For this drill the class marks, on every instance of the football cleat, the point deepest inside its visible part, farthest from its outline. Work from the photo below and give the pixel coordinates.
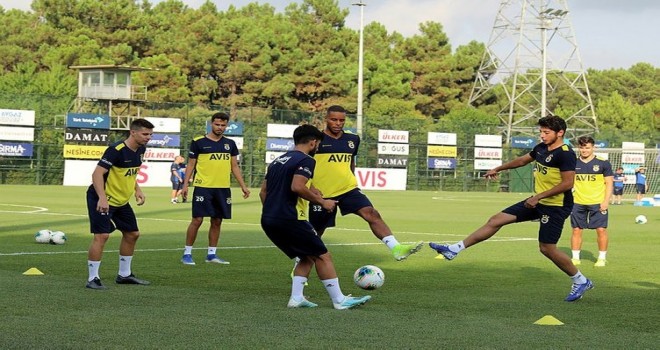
(443, 249)
(576, 262)
(186, 259)
(350, 302)
(95, 284)
(131, 279)
(402, 251)
(578, 290)
(212, 258)
(303, 303)
(600, 263)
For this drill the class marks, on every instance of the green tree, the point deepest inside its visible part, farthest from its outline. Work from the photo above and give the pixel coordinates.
(430, 56)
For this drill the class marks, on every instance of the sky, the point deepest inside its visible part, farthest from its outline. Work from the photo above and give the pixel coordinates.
(609, 33)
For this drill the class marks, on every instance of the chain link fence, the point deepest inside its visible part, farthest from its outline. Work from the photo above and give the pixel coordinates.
(46, 165)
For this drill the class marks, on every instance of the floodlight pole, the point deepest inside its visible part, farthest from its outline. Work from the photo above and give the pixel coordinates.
(360, 68)
(544, 65)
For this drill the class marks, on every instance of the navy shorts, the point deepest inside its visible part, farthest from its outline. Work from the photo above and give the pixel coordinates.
(176, 184)
(588, 216)
(617, 191)
(641, 189)
(296, 238)
(211, 202)
(118, 218)
(349, 203)
(551, 219)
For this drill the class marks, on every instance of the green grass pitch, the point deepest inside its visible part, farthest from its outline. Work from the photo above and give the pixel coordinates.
(488, 298)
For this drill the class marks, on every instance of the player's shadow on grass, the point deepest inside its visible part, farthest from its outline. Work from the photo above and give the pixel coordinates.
(647, 284)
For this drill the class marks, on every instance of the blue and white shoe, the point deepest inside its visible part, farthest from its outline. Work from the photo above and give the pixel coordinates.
(443, 249)
(350, 302)
(212, 258)
(186, 259)
(303, 303)
(578, 290)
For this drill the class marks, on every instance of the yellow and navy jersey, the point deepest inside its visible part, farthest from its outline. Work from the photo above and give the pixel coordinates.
(213, 168)
(547, 172)
(590, 181)
(123, 165)
(334, 160)
(281, 202)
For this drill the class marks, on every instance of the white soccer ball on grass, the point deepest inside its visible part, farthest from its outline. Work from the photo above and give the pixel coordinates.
(369, 277)
(42, 236)
(57, 237)
(640, 219)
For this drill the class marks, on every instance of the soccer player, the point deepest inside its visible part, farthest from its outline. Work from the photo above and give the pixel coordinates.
(618, 180)
(640, 182)
(114, 181)
(212, 157)
(283, 195)
(551, 204)
(592, 191)
(335, 179)
(176, 178)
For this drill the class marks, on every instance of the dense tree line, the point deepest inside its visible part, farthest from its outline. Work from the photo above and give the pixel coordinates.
(304, 58)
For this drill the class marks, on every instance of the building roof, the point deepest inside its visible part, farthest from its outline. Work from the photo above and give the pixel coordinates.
(110, 66)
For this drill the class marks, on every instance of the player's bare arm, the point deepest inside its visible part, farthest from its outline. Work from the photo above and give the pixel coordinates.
(262, 192)
(99, 186)
(192, 162)
(139, 195)
(238, 175)
(516, 163)
(609, 186)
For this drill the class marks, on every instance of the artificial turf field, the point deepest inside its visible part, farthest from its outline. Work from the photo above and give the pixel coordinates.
(488, 297)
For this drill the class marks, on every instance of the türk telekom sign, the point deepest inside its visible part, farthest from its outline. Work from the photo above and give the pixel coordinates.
(88, 121)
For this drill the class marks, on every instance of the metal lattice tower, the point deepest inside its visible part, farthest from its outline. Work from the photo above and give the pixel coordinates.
(532, 64)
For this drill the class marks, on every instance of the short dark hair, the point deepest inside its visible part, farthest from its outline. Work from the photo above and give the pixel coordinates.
(306, 133)
(221, 116)
(336, 108)
(141, 123)
(553, 123)
(585, 140)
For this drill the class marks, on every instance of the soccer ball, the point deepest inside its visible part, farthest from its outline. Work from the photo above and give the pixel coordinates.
(43, 236)
(369, 277)
(640, 219)
(57, 237)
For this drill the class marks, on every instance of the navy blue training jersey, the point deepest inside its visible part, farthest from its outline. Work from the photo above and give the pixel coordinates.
(281, 202)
